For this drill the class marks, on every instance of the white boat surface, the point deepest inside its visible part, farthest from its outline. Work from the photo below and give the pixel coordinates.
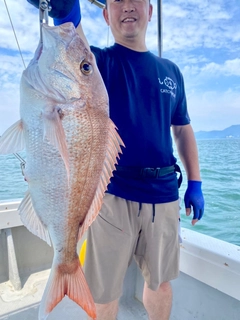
(208, 286)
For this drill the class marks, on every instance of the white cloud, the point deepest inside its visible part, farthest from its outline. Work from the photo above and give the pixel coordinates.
(190, 24)
(196, 75)
(202, 36)
(171, 11)
(228, 68)
(212, 110)
(24, 18)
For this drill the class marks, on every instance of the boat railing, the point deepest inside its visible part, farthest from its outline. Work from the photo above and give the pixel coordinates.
(204, 260)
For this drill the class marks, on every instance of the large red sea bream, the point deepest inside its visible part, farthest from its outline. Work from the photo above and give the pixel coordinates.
(71, 148)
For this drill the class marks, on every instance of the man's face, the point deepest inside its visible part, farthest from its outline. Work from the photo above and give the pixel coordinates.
(128, 19)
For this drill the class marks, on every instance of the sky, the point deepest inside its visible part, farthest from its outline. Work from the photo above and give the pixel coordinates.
(202, 37)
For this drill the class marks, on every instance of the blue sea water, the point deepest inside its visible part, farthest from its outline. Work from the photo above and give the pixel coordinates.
(220, 172)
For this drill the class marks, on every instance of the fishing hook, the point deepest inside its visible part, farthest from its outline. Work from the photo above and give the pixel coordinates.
(22, 162)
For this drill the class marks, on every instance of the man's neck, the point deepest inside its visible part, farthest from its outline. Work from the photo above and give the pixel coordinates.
(136, 46)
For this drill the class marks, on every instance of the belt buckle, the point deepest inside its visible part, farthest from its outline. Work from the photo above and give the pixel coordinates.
(150, 172)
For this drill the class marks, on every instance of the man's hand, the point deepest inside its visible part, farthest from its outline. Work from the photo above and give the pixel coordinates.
(62, 11)
(194, 197)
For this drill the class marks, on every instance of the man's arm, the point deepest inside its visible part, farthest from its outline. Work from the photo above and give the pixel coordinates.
(187, 150)
(188, 153)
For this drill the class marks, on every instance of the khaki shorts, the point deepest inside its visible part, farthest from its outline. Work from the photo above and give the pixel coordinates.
(123, 230)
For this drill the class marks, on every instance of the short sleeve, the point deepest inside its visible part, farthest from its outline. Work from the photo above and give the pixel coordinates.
(181, 116)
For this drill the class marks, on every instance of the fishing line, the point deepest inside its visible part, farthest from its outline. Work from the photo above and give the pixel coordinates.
(19, 49)
(22, 161)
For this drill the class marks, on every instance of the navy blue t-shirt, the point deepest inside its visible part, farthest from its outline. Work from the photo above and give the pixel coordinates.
(146, 96)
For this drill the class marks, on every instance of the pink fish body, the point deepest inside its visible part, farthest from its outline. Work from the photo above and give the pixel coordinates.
(71, 148)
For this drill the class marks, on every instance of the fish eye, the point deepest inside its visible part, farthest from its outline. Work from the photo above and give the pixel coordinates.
(86, 67)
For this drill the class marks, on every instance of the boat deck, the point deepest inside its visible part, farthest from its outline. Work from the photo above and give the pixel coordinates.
(192, 299)
(23, 304)
(208, 287)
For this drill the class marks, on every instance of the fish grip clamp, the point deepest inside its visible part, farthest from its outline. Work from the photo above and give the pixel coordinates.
(44, 8)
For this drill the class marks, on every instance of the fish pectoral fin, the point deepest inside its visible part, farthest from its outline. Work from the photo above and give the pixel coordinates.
(54, 133)
(31, 220)
(67, 280)
(12, 140)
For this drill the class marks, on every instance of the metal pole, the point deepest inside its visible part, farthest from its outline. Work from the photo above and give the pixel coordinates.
(98, 3)
(12, 262)
(159, 22)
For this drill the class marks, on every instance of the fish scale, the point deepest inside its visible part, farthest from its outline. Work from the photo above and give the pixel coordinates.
(71, 150)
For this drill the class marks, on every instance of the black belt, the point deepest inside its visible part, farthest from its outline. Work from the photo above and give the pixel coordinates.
(151, 173)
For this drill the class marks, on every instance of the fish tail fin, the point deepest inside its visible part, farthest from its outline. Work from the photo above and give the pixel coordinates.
(70, 281)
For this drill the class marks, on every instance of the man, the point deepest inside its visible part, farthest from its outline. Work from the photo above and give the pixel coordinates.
(140, 213)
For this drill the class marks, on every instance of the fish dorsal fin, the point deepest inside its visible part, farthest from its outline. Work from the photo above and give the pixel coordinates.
(113, 150)
(12, 140)
(54, 133)
(31, 220)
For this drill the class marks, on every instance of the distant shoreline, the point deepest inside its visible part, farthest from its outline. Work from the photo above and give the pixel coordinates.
(232, 132)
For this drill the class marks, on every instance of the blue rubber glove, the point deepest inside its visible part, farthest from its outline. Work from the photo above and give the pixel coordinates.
(63, 11)
(194, 198)
(73, 16)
